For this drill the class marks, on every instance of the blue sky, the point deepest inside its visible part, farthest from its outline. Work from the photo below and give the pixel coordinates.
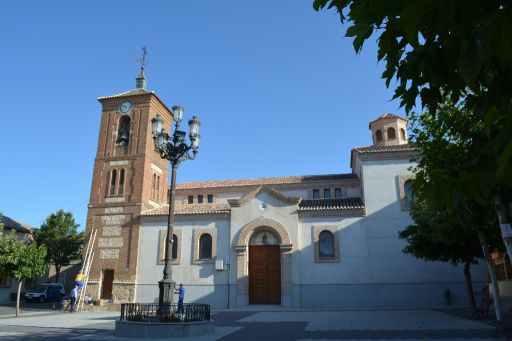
(277, 87)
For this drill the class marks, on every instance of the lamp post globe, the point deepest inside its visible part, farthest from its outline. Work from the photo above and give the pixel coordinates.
(157, 124)
(177, 111)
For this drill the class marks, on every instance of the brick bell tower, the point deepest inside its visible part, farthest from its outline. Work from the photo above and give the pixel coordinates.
(129, 177)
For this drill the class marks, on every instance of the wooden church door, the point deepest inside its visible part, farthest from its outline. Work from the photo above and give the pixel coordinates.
(264, 274)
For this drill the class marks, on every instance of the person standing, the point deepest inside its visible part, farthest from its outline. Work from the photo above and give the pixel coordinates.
(181, 297)
(74, 296)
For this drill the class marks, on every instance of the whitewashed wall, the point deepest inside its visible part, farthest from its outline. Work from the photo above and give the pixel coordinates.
(396, 278)
(202, 282)
(372, 271)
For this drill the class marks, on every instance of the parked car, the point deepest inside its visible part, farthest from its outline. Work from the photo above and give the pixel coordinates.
(45, 292)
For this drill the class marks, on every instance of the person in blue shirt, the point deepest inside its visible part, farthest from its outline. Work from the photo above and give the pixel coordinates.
(181, 297)
(74, 296)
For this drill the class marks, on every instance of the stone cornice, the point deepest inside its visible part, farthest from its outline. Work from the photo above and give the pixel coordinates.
(267, 189)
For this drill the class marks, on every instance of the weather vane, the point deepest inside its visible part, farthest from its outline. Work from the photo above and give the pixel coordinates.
(142, 60)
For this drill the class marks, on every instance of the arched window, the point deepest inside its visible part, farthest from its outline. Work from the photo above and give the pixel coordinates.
(264, 237)
(391, 134)
(123, 133)
(153, 187)
(121, 182)
(408, 190)
(174, 254)
(205, 246)
(402, 134)
(113, 179)
(326, 245)
(378, 134)
(158, 187)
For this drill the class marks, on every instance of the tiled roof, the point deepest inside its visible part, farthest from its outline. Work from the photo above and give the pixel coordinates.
(189, 209)
(134, 92)
(388, 115)
(385, 149)
(15, 225)
(266, 181)
(331, 204)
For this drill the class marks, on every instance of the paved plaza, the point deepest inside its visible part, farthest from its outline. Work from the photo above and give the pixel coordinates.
(248, 325)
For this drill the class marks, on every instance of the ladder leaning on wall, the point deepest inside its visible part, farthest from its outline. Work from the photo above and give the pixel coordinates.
(86, 267)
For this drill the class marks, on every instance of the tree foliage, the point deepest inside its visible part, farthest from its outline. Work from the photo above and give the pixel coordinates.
(60, 236)
(460, 49)
(448, 227)
(21, 258)
(447, 236)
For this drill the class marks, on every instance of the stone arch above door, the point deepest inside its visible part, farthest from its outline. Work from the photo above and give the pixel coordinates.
(251, 227)
(241, 262)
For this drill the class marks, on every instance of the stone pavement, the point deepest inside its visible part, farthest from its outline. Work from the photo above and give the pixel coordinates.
(247, 325)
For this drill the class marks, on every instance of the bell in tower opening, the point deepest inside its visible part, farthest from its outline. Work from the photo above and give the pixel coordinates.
(123, 134)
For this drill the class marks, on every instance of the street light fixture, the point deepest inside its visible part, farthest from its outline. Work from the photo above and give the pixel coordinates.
(175, 149)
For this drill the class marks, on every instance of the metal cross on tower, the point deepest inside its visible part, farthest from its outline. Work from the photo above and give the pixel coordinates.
(142, 60)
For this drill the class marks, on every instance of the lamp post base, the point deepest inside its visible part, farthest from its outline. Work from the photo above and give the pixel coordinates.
(165, 298)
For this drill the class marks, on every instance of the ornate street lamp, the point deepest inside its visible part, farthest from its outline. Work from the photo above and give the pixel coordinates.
(175, 149)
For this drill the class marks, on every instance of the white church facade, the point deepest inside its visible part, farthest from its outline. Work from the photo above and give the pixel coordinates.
(318, 241)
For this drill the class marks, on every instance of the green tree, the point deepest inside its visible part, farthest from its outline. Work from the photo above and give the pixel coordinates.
(464, 54)
(60, 236)
(21, 258)
(449, 236)
(447, 141)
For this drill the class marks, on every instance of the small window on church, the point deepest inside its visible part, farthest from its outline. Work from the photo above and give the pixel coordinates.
(408, 193)
(210, 198)
(378, 135)
(391, 134)
(157, 187)
(205, 246)
(153, 187)
(190, 199)
(174, 247)
(327, 193)
(199, 199)
(113, 179)
(316, 194)
(123, 133)
(337, 193)
(402, 134)
(326, 245)
(121, 182)
(175, 252)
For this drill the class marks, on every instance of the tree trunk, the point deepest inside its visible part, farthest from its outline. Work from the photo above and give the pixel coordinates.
(506, 231)
(469, 286)
(18, 298)
(57, 273)
(492, 272)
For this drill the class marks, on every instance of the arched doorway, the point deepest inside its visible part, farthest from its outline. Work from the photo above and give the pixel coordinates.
(264, 268)
(254, 231)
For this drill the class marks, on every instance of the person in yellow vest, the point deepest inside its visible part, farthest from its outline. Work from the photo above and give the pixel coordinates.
(79, 280)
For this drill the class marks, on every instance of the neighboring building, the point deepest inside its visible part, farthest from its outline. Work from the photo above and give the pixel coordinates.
(318, 241)
(7, 284)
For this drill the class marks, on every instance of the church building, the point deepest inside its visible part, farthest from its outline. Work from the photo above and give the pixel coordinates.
(313, 241)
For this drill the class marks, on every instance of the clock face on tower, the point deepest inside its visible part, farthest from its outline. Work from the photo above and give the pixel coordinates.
(125, 107)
